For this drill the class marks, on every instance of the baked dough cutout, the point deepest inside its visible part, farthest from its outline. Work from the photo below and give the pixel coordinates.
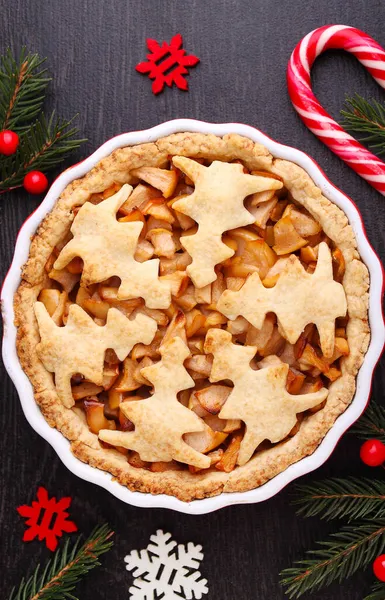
(217, 206)
(79, 347)
(107, 248)
(259, 398)
(298, 298)
(161, 421)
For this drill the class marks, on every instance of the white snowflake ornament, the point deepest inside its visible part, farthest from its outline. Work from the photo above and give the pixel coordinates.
(166, 570)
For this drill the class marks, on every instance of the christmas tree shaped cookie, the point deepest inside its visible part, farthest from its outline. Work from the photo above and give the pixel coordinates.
(217, 206)
(161, 421)
(259, 398)
(80, 346)
(298, 298)
(107, 248)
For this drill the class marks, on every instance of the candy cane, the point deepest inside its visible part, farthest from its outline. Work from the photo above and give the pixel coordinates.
(372, 56)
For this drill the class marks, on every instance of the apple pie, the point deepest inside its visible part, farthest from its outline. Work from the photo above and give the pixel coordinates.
(192, 315)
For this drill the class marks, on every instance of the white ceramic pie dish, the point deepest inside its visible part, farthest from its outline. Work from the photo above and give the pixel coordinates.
(62, 445)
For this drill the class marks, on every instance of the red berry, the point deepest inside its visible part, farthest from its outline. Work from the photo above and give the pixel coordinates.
(379, 567)
(35, 182)
(9, 141)
(372, 453)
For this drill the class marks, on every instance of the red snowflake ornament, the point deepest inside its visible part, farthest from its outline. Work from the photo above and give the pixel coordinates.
(47, 519)
(167, 64)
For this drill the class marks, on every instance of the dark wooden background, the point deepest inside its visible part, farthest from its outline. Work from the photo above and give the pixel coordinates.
(92, 48)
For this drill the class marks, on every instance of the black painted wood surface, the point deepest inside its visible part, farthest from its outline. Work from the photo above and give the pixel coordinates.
(92, 48)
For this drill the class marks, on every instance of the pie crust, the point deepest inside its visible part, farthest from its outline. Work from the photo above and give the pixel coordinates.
(266, 463)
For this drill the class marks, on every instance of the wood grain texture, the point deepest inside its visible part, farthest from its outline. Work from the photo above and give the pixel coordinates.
(93, 47)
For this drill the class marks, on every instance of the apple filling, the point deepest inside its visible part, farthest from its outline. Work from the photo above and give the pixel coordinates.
(281, 228)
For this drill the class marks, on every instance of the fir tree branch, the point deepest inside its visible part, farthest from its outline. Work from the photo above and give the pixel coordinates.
(60, 575)
(22, 86)
(45, 145)
(352, 548)
(378, 591)
(366, 118)
(372, 423)
(349, 498)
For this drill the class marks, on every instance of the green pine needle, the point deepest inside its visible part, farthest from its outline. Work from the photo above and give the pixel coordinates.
(44, 143)
(366, 118)
(372, 423)
(44, 146)
(347, 551)
(350, 498)
(378, 592)
(69, 564)
(22, 87)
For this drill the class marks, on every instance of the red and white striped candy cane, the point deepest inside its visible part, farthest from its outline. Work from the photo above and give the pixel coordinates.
(372, 56)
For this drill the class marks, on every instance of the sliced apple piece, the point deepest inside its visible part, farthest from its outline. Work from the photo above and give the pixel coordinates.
(162, 241)
(338, 265)
(303, 339)
(236, 267)
(144, 251)
(50, 298)
(162, 467)
(206, 440)
(308, 254)
(176, 328)
(85, 390)
(194, 321)
(97, 308)
(82, 295)
(151, 350)
(200, 363)
(95, 416)
(260, 197)
(139, 198)
(214, 456)
(154, 313)
(262, 212)
(66, 279)
(312, 386)
(196, 406)
(203, 294)
(75, 266)
(111, 190)
(187, 300)
(161, 179)
(310, 357)
(196, 345)
(158, 209)
(179, 262)
(213, 397)
(258, 253)
(135, 461)
(230, 456)
(234, 283)
(127, 381)
(110, 375)
(287, 239)
(295, 380)
(178, 282)
(115, 398)
(238, 326)
(304, 223)
(261, 337)
(287, 355)
(278, 210)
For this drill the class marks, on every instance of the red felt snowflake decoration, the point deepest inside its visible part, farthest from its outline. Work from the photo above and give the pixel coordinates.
(46, 519)
(167, 64)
